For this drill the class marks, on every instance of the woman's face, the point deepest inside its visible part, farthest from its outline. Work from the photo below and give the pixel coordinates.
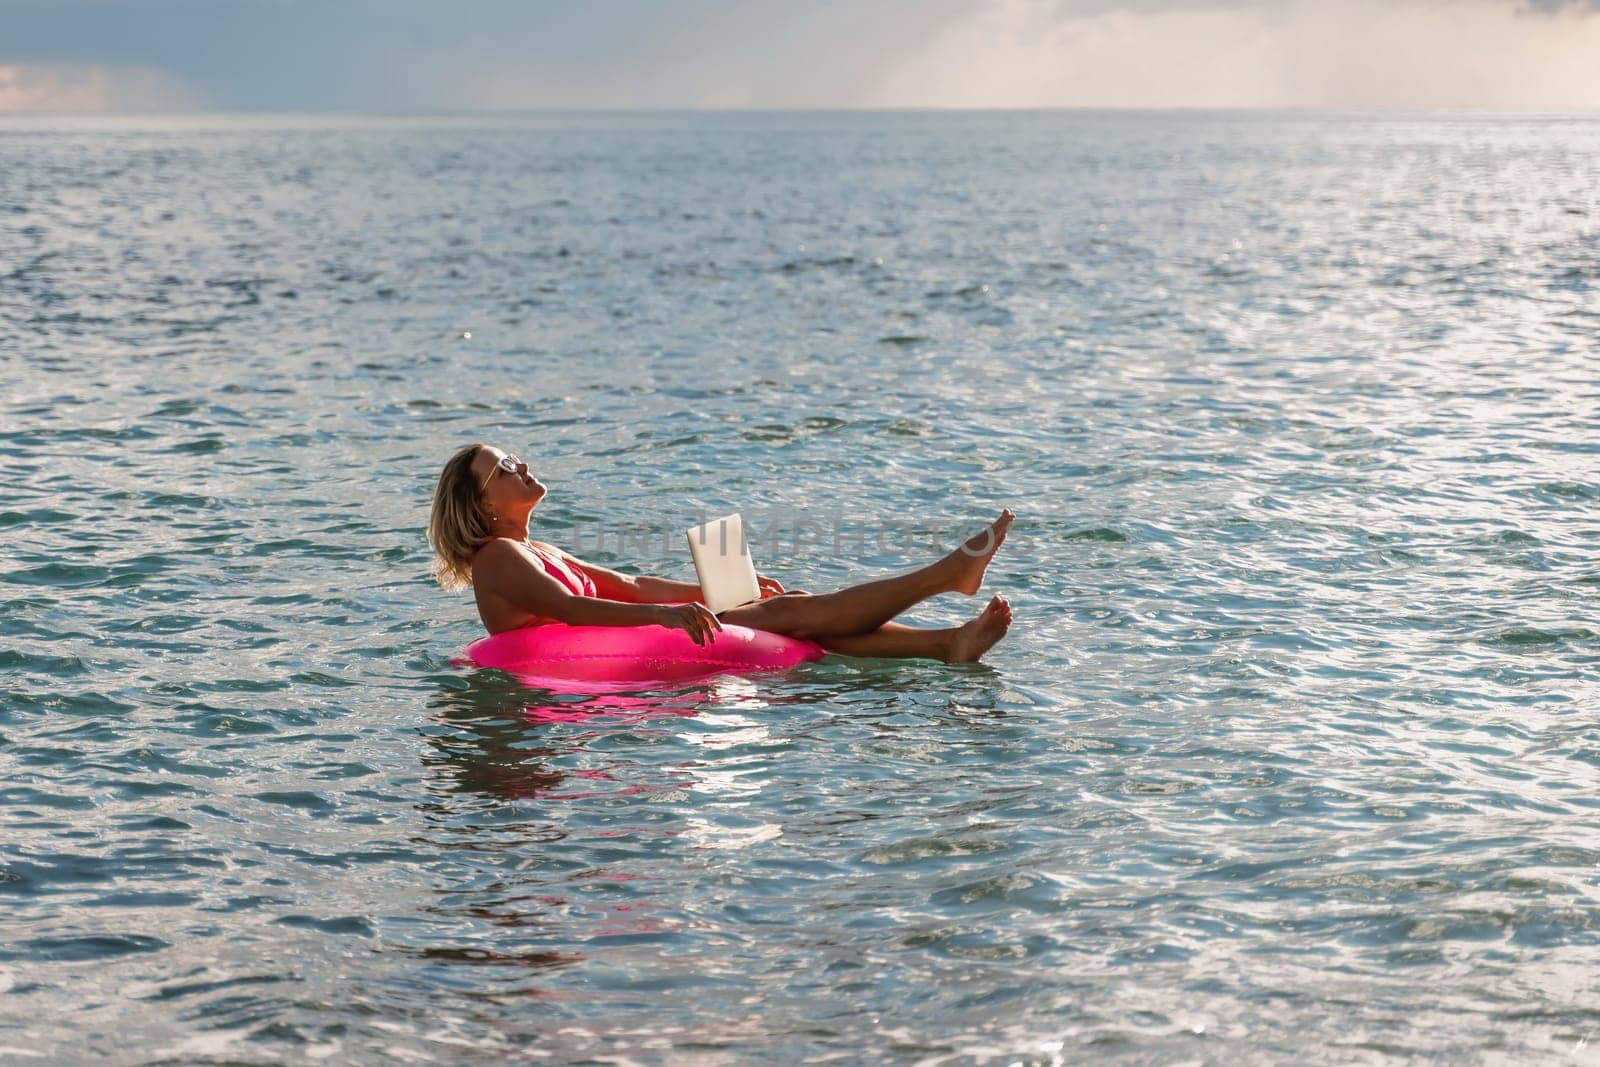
(509, 490)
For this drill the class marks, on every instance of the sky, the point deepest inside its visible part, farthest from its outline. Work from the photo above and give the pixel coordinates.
(427, 56)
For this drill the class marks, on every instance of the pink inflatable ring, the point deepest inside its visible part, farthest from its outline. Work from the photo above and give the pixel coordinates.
(553, 654)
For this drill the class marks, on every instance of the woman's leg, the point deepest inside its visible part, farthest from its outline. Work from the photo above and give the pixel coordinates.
(956, 644)
(861, 609)
(894, 640)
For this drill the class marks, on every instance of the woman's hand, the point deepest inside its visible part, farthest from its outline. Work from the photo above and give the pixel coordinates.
(769, 586)
(694, 617)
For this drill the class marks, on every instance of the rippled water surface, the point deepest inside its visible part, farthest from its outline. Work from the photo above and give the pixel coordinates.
(1292, 751)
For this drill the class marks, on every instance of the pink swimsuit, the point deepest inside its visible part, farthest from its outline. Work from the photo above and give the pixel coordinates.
(577, 582)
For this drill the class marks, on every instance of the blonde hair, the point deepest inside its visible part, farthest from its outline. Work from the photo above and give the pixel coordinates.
(458, 524)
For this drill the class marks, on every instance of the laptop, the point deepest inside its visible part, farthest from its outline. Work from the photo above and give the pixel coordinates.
(722, 561)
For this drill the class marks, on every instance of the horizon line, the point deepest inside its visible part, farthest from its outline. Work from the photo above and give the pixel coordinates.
(1288, 109)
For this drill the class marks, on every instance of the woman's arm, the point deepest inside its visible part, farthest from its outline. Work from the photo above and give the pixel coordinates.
(667, 591)
(640, 590)
(508, 569)
(512, 574)
(647, 589)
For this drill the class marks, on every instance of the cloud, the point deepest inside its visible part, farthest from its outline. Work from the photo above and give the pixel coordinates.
(406, 55)
(54, 87)
(424, 55)
(1254, 53)
(752, 54)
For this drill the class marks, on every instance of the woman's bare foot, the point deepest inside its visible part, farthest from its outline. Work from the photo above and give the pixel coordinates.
(975, 637)
(972, 558)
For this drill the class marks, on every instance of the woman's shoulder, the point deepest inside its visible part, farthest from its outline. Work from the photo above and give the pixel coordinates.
(498, 548)
(497, 561)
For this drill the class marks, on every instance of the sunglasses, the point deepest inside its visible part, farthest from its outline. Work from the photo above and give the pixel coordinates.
(508, 463)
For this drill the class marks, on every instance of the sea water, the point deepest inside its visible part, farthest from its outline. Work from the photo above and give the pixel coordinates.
(1291, 752)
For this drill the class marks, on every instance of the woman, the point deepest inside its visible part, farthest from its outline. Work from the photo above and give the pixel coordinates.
(479, 534)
